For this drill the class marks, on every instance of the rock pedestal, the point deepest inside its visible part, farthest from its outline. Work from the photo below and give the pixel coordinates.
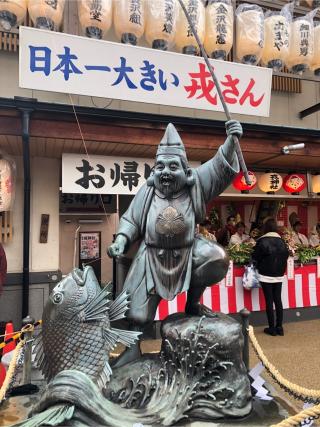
(199, 372)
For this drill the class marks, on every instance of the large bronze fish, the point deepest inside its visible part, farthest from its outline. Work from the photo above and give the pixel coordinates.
(76, 330)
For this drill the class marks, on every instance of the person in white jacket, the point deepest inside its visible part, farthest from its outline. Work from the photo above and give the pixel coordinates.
(240, 236)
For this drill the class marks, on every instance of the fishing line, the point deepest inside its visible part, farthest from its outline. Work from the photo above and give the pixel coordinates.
(85, 145)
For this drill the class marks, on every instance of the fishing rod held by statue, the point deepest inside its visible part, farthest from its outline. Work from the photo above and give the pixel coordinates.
(217, 84)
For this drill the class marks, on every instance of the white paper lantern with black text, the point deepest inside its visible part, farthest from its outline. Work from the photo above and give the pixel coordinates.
(185, 40)
(12, 13)
(301, 43)
(46, 14)
(270, 182)
(161, 18)
(277, 27)
(219, 28)
(95, 17)
(129, 20)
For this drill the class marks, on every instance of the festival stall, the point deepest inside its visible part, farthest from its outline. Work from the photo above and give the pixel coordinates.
(291, 199)
(300, 290)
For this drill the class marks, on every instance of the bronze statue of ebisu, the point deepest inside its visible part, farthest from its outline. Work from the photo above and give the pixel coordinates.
(200, 372)
(164, 214)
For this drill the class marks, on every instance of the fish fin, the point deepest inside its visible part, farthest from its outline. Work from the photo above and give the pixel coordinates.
(98, 306)
(126, 337)
(50, 417)
(105, 375)
(114, 336)
(119, 306)
(111, 337)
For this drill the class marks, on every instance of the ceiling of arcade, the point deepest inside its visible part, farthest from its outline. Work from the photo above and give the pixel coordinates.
(53, 147)
(52, 135)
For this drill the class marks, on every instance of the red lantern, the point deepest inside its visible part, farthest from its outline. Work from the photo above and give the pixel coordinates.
(240, 184)
(294, 183)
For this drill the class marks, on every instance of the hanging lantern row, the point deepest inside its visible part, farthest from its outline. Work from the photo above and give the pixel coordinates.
(45, 14)
(271, 182)
(273, 39)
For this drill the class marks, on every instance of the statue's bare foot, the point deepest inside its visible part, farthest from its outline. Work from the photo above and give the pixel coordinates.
(199, 310)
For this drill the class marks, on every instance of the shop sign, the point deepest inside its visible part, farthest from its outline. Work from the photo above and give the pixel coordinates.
(59, 62)
(105, 175)
(92, 203)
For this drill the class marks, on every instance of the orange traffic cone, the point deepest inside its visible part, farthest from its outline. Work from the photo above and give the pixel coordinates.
(8, 350)
(9, 334)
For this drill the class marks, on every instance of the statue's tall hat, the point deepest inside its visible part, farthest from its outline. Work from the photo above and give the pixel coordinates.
(171, 143)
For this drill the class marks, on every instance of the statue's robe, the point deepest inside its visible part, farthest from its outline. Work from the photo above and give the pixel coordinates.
(163, 263)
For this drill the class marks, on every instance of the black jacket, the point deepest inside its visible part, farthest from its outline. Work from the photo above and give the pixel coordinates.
(270, 255)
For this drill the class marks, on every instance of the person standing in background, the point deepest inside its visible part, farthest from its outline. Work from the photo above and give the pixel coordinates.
(270, 257)
(314, 239)
(204, 228)
(299, 238)
(240, 236)
(3, 267)
(223, 235)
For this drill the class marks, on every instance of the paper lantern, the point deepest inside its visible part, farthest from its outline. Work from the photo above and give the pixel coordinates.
(315, 180)
(315, 63)
(184, 38)
(12, 13)
(129, 20)
(250, 33)
(277, 37)
(219, 28)
(270, 182)
(294, 183)
(46, 14)
(161, 18)
(301, 43)
(95, 17)
(240, 184)
(6, 185)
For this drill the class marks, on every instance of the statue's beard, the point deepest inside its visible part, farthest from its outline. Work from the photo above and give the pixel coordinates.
(168, 184)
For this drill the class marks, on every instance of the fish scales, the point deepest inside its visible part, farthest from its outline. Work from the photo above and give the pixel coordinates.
(76, 329)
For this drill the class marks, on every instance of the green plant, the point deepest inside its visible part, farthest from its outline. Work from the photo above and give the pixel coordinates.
(305, 254)
(240, 254)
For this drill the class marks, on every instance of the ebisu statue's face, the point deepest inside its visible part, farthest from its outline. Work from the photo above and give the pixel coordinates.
(169, 174)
